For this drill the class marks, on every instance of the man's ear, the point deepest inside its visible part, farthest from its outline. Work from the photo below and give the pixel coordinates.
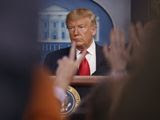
(94, 30)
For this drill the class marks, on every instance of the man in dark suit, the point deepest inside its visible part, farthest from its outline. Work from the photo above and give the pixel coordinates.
(81, 24)
(102, 66)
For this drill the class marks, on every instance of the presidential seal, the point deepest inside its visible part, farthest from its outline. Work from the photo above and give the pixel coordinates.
(71, 102)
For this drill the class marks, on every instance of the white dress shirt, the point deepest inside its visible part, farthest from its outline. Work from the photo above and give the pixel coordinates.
(91, 57)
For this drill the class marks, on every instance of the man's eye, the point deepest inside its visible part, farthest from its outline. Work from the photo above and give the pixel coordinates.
(70, 28)
(81, 27)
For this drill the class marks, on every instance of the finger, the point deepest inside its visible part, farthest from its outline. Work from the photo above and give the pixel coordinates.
(139, 27)
(59, 61)
(132, 36)
(121, 41)
(79, 60)
(115, 38)
(64, 58)
(72, 51)
(106, 50)
(140, 30)
(112, 37)
(125, 55)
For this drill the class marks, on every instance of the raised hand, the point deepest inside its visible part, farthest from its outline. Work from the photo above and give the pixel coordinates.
(67, 67)
(116, 52)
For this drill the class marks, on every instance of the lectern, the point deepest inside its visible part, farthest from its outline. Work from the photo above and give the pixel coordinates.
(80, 86)
(84, 82)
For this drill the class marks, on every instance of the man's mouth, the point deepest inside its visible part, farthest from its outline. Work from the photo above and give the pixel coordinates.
(77, 39)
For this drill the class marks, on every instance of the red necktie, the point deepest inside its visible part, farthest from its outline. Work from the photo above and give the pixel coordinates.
(84, 69)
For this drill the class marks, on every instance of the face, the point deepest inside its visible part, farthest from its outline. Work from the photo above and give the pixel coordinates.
(81, 31)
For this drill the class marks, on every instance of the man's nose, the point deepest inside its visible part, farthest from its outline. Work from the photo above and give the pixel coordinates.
(76, 31)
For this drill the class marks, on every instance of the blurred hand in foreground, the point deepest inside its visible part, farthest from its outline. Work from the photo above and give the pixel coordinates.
(116, 52)
(67, 67)
(119, 53)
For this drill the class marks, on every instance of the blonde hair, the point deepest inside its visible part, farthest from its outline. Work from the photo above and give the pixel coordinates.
(81, 13)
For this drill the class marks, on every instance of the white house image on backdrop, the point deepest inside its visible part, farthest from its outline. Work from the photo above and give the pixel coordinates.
(52, 27)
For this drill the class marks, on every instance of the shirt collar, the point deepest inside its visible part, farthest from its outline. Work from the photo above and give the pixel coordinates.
(90, 50)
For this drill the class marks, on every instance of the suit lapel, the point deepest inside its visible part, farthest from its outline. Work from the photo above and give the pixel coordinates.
(99, 57)
(102, 66)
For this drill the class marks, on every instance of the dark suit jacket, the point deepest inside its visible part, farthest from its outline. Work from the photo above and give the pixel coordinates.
(102, 65)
